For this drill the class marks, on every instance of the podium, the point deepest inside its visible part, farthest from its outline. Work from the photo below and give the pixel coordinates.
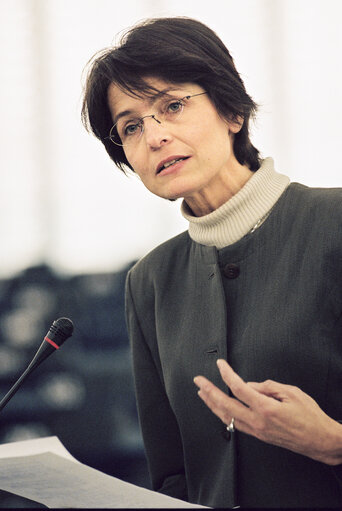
(43, 471)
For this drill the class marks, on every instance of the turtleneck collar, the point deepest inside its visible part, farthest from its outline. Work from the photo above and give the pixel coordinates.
(240, 214)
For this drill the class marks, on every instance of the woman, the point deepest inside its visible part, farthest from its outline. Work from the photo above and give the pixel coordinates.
(255, 281)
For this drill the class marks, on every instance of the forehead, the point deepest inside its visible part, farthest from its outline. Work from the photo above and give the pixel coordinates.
(120, 101)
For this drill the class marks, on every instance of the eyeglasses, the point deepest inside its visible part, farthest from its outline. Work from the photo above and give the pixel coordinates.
(127, 132)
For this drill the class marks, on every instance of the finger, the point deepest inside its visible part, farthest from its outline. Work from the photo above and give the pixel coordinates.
(202, 382)
(239, 388)
(224, 406)
(272, 388)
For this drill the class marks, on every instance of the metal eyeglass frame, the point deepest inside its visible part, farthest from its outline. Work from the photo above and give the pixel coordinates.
(141, 119)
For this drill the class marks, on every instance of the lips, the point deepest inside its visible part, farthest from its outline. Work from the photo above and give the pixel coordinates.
(163, 164)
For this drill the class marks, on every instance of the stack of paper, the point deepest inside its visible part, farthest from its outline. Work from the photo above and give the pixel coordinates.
(44, 471)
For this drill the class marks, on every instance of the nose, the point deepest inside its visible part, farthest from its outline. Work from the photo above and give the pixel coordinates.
(156, 133)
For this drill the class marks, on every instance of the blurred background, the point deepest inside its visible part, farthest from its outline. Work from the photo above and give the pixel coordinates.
(71, 224)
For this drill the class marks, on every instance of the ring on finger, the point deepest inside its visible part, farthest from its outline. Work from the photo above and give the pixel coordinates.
(231, 427)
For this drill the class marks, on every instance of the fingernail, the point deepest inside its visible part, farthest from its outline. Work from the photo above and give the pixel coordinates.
(202, 385)
(220, 363)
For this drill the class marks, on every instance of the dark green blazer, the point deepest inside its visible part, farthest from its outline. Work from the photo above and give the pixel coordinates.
(280, 318)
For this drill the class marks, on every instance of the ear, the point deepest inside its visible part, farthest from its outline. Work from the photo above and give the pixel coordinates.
(235, 124)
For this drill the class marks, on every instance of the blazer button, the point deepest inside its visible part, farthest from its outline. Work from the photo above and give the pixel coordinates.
(226, 435)
(231, 271)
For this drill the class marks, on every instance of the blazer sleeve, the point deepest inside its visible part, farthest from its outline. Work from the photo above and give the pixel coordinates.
(161, 435)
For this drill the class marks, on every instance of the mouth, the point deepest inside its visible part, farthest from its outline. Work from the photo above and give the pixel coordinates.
(164, 164)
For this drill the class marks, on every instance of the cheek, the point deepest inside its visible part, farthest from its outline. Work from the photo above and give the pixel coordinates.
(216, 145)
(212, 133)
(193, 134)
(137, 162)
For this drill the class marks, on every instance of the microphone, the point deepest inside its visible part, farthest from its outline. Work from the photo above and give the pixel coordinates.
(60, 331)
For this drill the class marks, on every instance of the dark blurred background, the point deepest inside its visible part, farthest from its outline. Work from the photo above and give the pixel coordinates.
(84, 392)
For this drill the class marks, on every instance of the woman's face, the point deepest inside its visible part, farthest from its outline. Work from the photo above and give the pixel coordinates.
(200, 135)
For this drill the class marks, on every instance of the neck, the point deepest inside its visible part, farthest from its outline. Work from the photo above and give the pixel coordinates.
(219, 190)
(241, 214)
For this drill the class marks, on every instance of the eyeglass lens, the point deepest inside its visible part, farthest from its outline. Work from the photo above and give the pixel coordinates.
(127, 131)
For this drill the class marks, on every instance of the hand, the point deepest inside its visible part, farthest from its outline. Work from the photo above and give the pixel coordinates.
(275, 413)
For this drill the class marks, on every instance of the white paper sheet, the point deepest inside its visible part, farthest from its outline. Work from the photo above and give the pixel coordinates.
(42, 470)
(35, 446)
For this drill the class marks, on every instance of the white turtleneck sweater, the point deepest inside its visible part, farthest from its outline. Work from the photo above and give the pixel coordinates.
(242, 213)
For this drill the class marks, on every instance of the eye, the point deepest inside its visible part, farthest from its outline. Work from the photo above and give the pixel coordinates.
(175, 106)
(131, 129)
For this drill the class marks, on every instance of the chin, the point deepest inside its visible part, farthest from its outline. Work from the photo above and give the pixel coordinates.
(175, 187)
(178, 190)
(174, 196)
(171, 195)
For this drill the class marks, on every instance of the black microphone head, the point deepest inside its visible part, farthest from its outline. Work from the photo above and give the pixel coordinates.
(60, 330)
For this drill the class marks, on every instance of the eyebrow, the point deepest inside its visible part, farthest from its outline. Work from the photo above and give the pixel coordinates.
(153, 99)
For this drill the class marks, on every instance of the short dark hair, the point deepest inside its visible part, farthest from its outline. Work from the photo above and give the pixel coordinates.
(177, 50)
